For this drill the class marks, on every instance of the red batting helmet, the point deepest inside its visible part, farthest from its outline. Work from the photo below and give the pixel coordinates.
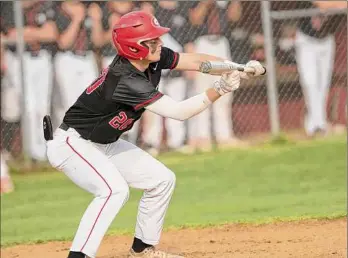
(132, 29)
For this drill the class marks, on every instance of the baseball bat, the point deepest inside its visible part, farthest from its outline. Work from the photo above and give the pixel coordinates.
(219, 67)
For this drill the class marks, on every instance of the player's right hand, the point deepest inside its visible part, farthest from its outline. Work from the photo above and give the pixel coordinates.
(228, 82)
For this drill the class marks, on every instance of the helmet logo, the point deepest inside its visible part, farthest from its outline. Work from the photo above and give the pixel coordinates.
(155, 21)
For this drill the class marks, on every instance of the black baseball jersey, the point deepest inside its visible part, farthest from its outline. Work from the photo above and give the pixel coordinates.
(115, 100)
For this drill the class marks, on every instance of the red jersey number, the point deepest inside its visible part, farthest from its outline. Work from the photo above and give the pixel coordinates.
(121, 121)
(95, 85)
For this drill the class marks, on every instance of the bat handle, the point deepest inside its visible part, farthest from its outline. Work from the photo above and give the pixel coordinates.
(249, 69)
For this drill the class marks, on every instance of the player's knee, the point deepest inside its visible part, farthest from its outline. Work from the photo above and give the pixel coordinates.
(169, 178)
(119, 191)
(122, 191)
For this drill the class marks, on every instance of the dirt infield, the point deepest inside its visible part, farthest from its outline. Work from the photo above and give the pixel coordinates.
(314, 238)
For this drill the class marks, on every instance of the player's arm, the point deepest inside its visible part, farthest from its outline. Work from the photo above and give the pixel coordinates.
(68, 35)
(183, 110)
(193, 61)
(47, 33)
(95, 12)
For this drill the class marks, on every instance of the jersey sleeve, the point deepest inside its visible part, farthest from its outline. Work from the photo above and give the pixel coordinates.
(136, 92)
(169, 59)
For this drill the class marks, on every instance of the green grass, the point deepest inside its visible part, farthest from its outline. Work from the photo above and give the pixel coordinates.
(282, 181)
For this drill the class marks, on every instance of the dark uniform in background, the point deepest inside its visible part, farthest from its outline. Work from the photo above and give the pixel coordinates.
(38, 73)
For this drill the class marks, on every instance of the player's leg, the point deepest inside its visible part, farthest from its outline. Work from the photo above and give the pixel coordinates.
(326, 65)
(39, 83)
(6, 185)
(176, 88)
(88, 71)
(306, 56)
(66, 77)
(142, 171)
(202, 120)
(88, 167)
(153, 128)
(222, 120)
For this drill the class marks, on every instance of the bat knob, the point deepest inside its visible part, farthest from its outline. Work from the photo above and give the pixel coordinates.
(265, 70)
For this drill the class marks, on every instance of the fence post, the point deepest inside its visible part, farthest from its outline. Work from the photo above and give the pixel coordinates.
(272, 93)
(18, 14)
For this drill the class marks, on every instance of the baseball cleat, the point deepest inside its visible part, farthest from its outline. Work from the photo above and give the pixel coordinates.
(151, 252)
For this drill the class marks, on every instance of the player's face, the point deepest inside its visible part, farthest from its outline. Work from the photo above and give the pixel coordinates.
(155, 47)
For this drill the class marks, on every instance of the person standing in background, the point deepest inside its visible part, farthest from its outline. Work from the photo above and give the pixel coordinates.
(80, 31)
(39, 36)
(6, 184)
(174, 15)
(315, 54)
(112, 11)
(210, 17)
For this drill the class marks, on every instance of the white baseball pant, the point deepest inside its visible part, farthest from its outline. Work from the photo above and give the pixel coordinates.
(74, 74)
(176, 89)
(315, 60)
(37, 98)
(222, 108)
(106, 171)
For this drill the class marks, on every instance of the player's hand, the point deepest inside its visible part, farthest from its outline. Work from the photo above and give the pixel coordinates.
(257, 66)
(228, 82)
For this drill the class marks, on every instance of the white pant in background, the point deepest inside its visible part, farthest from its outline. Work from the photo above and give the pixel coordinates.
(176, 89)
(222, 108)
(74, 74)
(37, 96)
(107, 171)
(221, 122)
(315, 60)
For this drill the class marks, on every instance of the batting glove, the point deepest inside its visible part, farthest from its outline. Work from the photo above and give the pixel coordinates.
(257, 66)
(228, 82)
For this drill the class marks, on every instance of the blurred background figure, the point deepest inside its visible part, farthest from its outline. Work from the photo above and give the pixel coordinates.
(209, 17)
(6, 184)
(315, 56)
(39, 36)
(112, 11)
(171, 14)
(80, 31)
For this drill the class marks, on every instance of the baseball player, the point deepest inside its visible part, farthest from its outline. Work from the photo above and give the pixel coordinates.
(87, 148)
(39, 36)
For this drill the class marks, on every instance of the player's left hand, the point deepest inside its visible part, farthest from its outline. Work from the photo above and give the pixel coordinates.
(228, 82)
(257, 66)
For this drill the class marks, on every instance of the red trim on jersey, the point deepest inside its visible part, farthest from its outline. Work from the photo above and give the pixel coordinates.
(174, 64)
(157, 96)
(95, 170)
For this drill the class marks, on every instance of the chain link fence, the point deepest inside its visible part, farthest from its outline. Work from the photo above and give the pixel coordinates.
(231, 30)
